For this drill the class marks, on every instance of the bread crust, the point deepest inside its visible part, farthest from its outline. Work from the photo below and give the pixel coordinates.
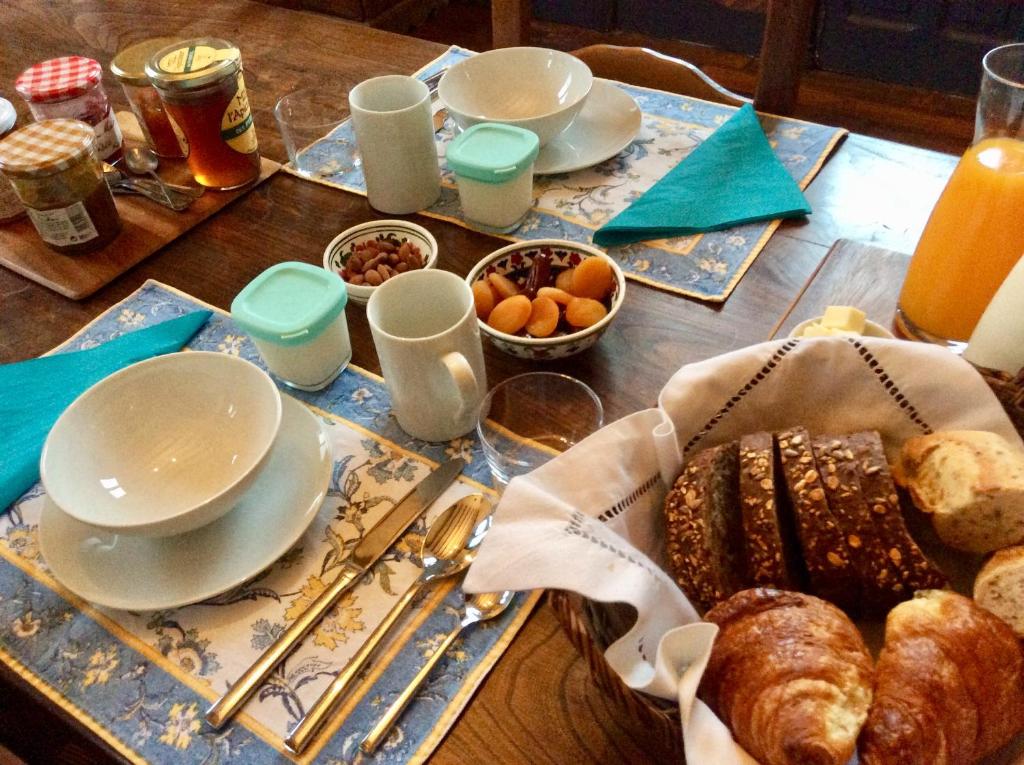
(790, 675)
(999, 587)
(949, 684)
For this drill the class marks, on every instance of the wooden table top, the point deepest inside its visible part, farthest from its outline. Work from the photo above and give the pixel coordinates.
(539, 704)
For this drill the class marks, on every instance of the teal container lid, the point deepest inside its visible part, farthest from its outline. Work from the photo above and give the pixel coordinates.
(492, 153)
(290, 303)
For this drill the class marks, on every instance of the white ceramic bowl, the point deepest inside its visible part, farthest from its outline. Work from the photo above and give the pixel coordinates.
(514, 262)
(340, 249)
(534, 88)
(871, 329)
(163, 446)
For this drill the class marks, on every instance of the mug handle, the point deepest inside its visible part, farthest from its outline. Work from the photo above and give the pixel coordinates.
(464, 379)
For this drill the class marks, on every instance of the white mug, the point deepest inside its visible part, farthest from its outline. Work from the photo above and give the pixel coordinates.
(395, 134)
(425, 330)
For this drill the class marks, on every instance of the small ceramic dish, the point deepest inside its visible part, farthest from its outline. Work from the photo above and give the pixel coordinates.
(538, 89)
(871, 329)
(343, 246)
(164, 446)
(514, 262)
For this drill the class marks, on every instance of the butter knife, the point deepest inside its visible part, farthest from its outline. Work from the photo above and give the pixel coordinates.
(374, 544)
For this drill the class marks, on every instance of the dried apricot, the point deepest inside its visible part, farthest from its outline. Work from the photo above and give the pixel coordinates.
(584, 312)
(543, 317)
(511, 314)
(504, 286)
(559, 296)
(593, 278)
(483, 299)
(564, 280)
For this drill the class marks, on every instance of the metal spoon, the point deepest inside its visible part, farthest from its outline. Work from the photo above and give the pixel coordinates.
(142, 160)
(448, 548)
(478, 608)
(180, 196)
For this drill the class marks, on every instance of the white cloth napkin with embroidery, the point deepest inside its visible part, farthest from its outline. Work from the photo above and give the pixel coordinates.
(589, 521)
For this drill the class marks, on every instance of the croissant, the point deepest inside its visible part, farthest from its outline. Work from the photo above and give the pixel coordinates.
(950, 684)
(790, 675)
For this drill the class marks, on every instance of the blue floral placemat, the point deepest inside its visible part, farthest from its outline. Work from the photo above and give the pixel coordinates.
(574, 205)
(142, 681)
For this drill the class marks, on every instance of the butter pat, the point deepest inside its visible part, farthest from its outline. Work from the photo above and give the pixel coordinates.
(844, 318)
(819, 330)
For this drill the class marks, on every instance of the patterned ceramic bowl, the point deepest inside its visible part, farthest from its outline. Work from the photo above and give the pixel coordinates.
(344, 244)
(515, 262)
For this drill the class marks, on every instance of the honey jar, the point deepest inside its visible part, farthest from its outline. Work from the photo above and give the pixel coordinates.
(58, 175)
(71, 87)
(201, 85)
(129, 67)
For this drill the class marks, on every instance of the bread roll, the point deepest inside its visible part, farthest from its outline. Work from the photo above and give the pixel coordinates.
(950, 684)
(999, 587)
(972, 485)
(790, 675)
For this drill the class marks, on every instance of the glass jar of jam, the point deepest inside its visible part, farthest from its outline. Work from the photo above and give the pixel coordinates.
(58, 175)
(11, 208)
(200, 82)
(71, 87)
(129, 67)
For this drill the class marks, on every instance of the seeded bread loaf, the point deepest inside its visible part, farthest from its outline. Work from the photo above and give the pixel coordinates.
(999, 587)
(824, 549)
(770, 551)
(913, 569)
(971, 483)
(703, 527)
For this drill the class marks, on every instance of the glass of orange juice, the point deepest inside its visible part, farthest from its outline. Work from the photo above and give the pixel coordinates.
(975, 234)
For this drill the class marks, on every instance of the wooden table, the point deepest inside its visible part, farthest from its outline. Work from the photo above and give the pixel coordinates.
(539, 704)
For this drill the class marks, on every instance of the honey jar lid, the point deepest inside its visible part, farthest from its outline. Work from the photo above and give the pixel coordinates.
(129, 65)
(193, 63)
(46, 147)
(290, 303)
(59, 79)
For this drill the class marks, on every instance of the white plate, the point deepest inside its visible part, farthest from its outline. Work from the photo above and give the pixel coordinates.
(144, 574)
(608, 123)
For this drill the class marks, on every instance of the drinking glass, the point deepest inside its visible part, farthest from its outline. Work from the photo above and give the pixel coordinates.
(528, 419)
(305, 118)
(974, 235)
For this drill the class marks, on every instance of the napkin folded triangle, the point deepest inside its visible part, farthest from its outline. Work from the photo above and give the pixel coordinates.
(34, 393)
(731, 178)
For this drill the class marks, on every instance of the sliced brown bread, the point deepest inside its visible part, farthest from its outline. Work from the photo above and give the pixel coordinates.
(999, 587)
(770, 554)
(824, 548)
(879, 577)
(703, 527)
(915, 571)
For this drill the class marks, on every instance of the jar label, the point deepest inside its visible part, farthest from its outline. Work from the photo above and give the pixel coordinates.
(195, 57)
(64, 226)
(108, 135)
(236, 128)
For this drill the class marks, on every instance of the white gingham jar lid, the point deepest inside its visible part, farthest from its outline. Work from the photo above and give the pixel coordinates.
(44, 148)
(59, 79)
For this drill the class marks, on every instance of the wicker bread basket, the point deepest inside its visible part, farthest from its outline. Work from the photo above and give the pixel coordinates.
(592, 627)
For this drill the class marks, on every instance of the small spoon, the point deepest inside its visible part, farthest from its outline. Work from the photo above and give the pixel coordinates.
(141, 160)
(449, 547)
(478, 608)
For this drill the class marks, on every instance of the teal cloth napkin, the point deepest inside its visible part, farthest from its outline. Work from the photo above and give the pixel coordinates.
(733, 177)
(34, 393)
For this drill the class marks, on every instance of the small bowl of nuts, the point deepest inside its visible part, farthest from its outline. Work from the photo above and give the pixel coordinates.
(369, 254)
(547, 298)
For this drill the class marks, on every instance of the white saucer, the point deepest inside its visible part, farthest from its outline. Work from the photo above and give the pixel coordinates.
(607, 124)
(144, 574)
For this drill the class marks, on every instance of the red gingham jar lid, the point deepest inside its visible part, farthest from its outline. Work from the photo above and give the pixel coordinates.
(44, 148)
(59, 79)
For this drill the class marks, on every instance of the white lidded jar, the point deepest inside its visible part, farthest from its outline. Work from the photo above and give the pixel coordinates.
(493, 166)
(295, 314)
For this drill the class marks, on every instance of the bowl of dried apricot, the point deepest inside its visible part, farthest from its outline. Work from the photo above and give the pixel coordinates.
(369, 254)
(547, 298)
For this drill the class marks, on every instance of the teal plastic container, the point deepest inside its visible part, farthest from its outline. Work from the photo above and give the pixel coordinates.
(295, 314)
(493, 166)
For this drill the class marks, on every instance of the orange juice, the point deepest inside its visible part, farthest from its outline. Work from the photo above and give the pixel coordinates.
(974, 237)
